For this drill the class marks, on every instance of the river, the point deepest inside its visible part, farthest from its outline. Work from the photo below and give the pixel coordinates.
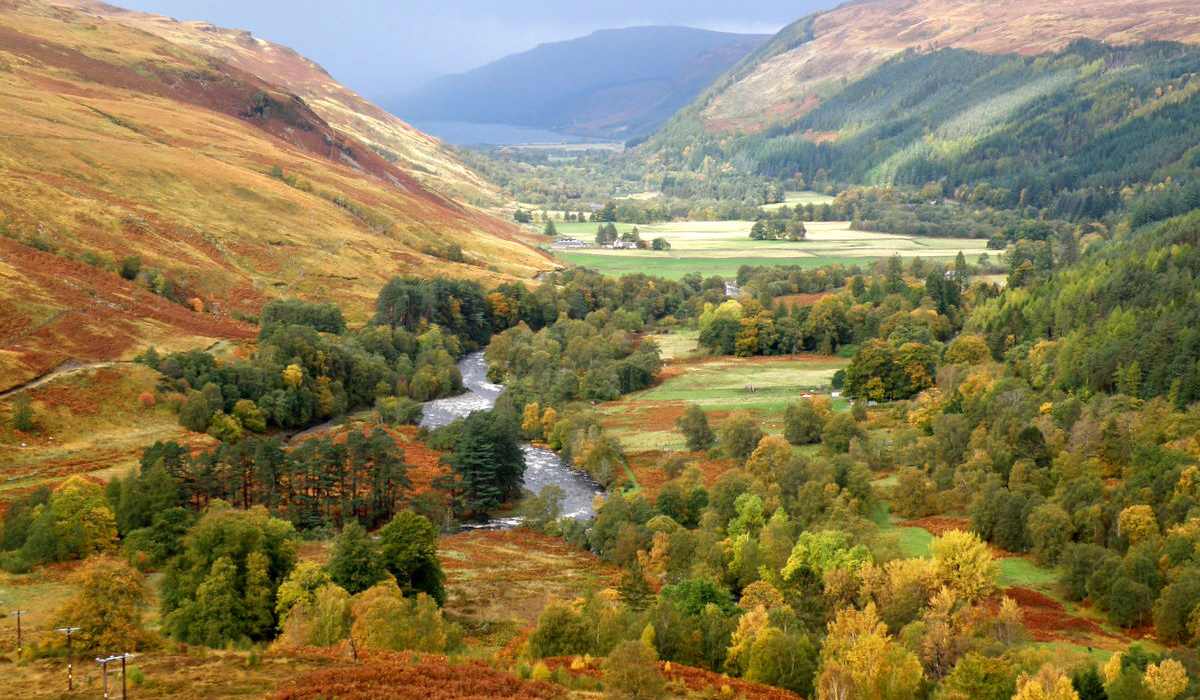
(542, 467)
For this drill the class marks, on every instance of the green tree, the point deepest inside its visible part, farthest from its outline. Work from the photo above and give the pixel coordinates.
(561, 631)
(802, 424)
(839, 431)
(631, 673)
(409, 546)
(488, 461)
(694, 426)
(740, 434)
(1050, 529)
(194, 413)
(550, 230)
(22, 413)
(356, 564)
(222, 585)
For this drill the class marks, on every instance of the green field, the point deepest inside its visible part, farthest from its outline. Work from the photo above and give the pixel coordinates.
(720, 247)
(646, 420)
(799, 198)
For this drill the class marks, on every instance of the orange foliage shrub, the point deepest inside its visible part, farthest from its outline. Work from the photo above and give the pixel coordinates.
(146, 399)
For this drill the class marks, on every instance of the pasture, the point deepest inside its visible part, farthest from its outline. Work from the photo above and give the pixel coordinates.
(645, 420)
(721, 247)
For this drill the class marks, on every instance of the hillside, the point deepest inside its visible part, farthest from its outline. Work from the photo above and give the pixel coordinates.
(1012, 114)
(797, 67)
(220, 190)
(423, 156)
(614, 83)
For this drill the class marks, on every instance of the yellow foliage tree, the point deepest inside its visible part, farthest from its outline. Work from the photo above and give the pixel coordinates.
(860, 660)
(549, 420)
(1050, 683)
(760, 594)
(1167, 680)
(963, 562)
(531, 420)
(770, 458)
(750, 627)
(385, 619)
(293, 376)
(107, 606)
(1137, 523)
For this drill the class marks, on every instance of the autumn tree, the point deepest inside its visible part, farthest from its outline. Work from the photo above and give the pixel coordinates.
(107, 606)
(963, 562)
(1049, 683)
(631, 673)
(320, 622)
(860, 660)
(385, 619)
(769, 458)
(75, 523)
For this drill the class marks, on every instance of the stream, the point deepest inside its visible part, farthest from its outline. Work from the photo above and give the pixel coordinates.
(543, 467)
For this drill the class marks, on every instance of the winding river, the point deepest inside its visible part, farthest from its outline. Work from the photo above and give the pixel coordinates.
(542, 467)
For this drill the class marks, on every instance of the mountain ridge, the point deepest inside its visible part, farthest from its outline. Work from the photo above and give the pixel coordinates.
(612, 82)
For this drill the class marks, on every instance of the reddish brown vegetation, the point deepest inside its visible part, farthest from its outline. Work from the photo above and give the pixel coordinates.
(427, 681)
(693, 679)
(1047, 620)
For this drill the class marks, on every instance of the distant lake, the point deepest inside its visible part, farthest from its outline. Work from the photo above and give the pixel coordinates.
(471, 134)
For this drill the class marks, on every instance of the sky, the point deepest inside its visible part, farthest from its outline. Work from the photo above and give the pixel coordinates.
(385, 49)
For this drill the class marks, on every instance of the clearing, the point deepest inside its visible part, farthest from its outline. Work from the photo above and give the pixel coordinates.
(721, 247)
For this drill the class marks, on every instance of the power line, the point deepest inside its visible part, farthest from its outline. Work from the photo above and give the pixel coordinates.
(70, 659)
(104, 672)
(18, 614)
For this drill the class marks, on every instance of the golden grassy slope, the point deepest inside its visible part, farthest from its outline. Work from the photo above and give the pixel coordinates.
(115, 142)
(424, 156)
(858, 36)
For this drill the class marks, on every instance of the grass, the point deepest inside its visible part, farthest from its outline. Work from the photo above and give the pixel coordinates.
(721, 247)
(800, 198)
(1018, 571)
(910, 541)
(646, 420)
(677, 344)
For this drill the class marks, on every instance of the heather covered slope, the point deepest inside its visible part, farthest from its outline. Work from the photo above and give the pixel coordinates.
(229, 190)
(421, 155)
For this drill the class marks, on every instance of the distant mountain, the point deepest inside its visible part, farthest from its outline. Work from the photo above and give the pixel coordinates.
(613, 83)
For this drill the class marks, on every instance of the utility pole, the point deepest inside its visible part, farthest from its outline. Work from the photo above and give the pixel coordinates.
(19, 614)
(70, 659)
(104, 672)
